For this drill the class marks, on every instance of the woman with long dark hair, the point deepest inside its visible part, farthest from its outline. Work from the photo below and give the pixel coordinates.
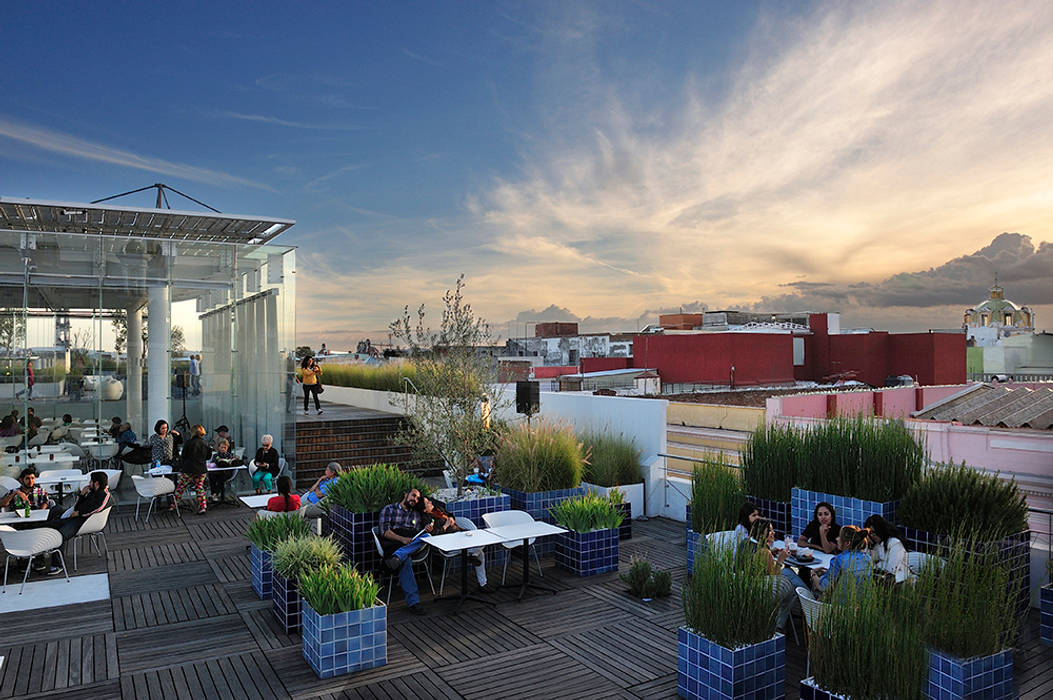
(286, 501)
(822, 532)
(310, 377)
(887, 550)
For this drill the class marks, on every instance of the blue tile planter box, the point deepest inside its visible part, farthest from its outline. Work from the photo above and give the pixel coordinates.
(810, 690)
(707, 670)
(354, 533)
(778, 512)
(989, 677)
(588, 553)
(850, 511)
(1045, 621)
(1014, 552)
(345, 642)
(694, 541)
(475, 508)
(286, 603)
(537, 504)
(260, 565)
(625, 530)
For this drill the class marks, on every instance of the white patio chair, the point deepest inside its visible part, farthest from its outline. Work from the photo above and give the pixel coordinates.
(70, 486)
(11, 441)
(151, 488)
(93, 527)
(421, 555)
(103, 454)
(916, 562)
(463, 524)
(240, 453)
(8, 484)
(27, 544)
(512, 517)
(812, 609)
(41, 438)
(59, 432)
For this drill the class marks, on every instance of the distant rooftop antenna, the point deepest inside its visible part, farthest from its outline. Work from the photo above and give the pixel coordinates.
(162, 198)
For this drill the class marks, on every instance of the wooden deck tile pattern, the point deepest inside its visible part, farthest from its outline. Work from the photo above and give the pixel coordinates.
(184, 623)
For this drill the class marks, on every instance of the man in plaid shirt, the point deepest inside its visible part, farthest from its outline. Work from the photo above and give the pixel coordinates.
(27, 491)
(399, 524)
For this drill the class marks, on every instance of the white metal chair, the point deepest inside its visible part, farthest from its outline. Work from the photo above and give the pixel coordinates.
(65, 474)
(917, 560)
(812, 609)
(27, 544)
(240, 453)
(93, 527)
(103, 454)
(512, 517)
(41, 438)
(59, 432)
(12, 441)
(463, 524)
(421, 555)
(152, 489)
(8, 484)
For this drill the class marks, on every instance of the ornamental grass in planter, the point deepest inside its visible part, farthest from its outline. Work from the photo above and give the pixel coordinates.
(354, 502)
(614, 464)
(344, 622)
(292, 558)
(946, 497)
(728, 646)
(646, 583)
(591, 546)
(716, 496)
(264, 534)
(769, 472)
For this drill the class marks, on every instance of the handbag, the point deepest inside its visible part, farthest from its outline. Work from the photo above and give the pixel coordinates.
(319, 388)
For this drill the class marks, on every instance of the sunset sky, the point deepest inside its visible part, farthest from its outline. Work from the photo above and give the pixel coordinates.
(599, 161)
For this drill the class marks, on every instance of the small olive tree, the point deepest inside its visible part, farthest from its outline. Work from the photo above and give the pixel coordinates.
(448, 404)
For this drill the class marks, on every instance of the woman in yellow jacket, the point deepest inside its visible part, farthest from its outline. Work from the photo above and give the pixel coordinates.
(310, 374)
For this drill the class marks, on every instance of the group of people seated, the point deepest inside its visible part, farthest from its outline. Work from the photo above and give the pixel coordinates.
(27, 426)
(875, 549)
(92, 498)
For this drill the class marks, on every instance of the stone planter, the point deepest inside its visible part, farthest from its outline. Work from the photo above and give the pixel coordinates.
(634, 495)
(588, 553)
(708, 670)
(850, 511)
(778, 512)
(260, 565)
(345, 642)
(979, 677)
(286, 602)
(810, 690)
(1013, 551)
(354, 533)
(475, 508)
(1045, 620)
(537, 504)
(694, 542)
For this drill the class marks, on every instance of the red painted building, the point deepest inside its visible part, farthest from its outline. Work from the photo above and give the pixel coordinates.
(707, 358)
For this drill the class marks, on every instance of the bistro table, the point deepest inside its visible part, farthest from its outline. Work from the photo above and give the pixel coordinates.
(256, 501)
(57, 459)
(461, 542)
(35, 516)
(223, 489)
(526, 532)
(76, 483)
(819, 560)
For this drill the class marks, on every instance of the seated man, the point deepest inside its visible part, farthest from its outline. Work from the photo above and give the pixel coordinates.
(399, 525)
(313, 496)
(27, 491)
(93, 498)
(443, 523)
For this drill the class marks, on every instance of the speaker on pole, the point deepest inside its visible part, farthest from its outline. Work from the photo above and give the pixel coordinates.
(528, 398)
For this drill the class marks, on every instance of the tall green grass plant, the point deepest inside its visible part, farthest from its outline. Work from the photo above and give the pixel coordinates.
(948, 497)
(769, 462)
(586, 513)
(368, 489)
(614, 460)
(295, 556)
(330, 590)
(542, 457)
(265, 533)
(716, 496)
(386, 377)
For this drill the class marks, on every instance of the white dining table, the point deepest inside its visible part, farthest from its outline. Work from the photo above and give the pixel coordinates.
(256, 501)
(74, 483)
(819, 560)
(35, 516)
(461, 542)
(525, 532)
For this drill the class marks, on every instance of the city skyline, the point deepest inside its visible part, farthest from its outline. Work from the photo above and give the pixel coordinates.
(602, 161)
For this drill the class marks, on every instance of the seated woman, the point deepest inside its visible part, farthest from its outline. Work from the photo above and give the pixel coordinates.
(887, 551)
(126, 440)
(759, 544)
(267, 465)
(443, 523)
(286, 501)
(748, 514)
(852, 560)
(821, 533)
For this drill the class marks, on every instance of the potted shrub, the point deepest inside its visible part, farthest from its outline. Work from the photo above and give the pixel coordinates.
(473, 502)
(769, 472)
(645, 583)
(591, 545)
(862, 466)
(354, 502)
(292, 558)
(866, 644)
(728, 646)
(264, 534)
(716, 496)
(614, 465)
(1046, 607)
(344, 623)
(946, 496)
(969, 621)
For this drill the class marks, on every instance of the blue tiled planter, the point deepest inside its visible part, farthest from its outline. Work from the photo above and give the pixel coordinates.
(1014, 552)
(850, 511)
(260, 564)
(1045, 620)
(625, 530)
(537, 504)
(286, 603)
(588, 553)
(694, 540)
(778, 512)
(810, 690)
(707, 670)
(475, 508)
(345, 642)
(353, 532)
(989, 677)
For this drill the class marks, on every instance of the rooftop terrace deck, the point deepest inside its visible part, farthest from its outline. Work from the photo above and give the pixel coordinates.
(183, 622)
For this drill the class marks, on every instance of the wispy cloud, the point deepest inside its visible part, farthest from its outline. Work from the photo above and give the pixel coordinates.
(72, 146)
(276, 121)
(423, 59)
(351, 167)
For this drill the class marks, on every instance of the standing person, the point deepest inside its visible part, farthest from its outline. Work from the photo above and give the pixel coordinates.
(400, 524)
(286, 501)
(267, 465)
(311, 378)
(822, 532)
(193, 467)
(195, 374)
(162, 444)
(30, 380)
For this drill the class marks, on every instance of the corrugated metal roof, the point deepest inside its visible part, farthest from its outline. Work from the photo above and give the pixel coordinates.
(997, 406)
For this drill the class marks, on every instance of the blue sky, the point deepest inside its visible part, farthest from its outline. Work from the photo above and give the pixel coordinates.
(606, 159)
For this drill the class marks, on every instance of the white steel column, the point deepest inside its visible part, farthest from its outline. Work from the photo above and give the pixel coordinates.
(133, 392)
(158, 359)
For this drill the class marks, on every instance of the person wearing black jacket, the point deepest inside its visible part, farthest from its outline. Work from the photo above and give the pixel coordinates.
(266, 463)
(93, 498)
(193, 463)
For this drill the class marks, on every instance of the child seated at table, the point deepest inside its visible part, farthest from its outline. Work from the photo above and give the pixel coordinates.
(286, 501)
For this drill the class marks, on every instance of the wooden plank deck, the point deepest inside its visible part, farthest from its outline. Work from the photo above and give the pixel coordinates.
(183, 622)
